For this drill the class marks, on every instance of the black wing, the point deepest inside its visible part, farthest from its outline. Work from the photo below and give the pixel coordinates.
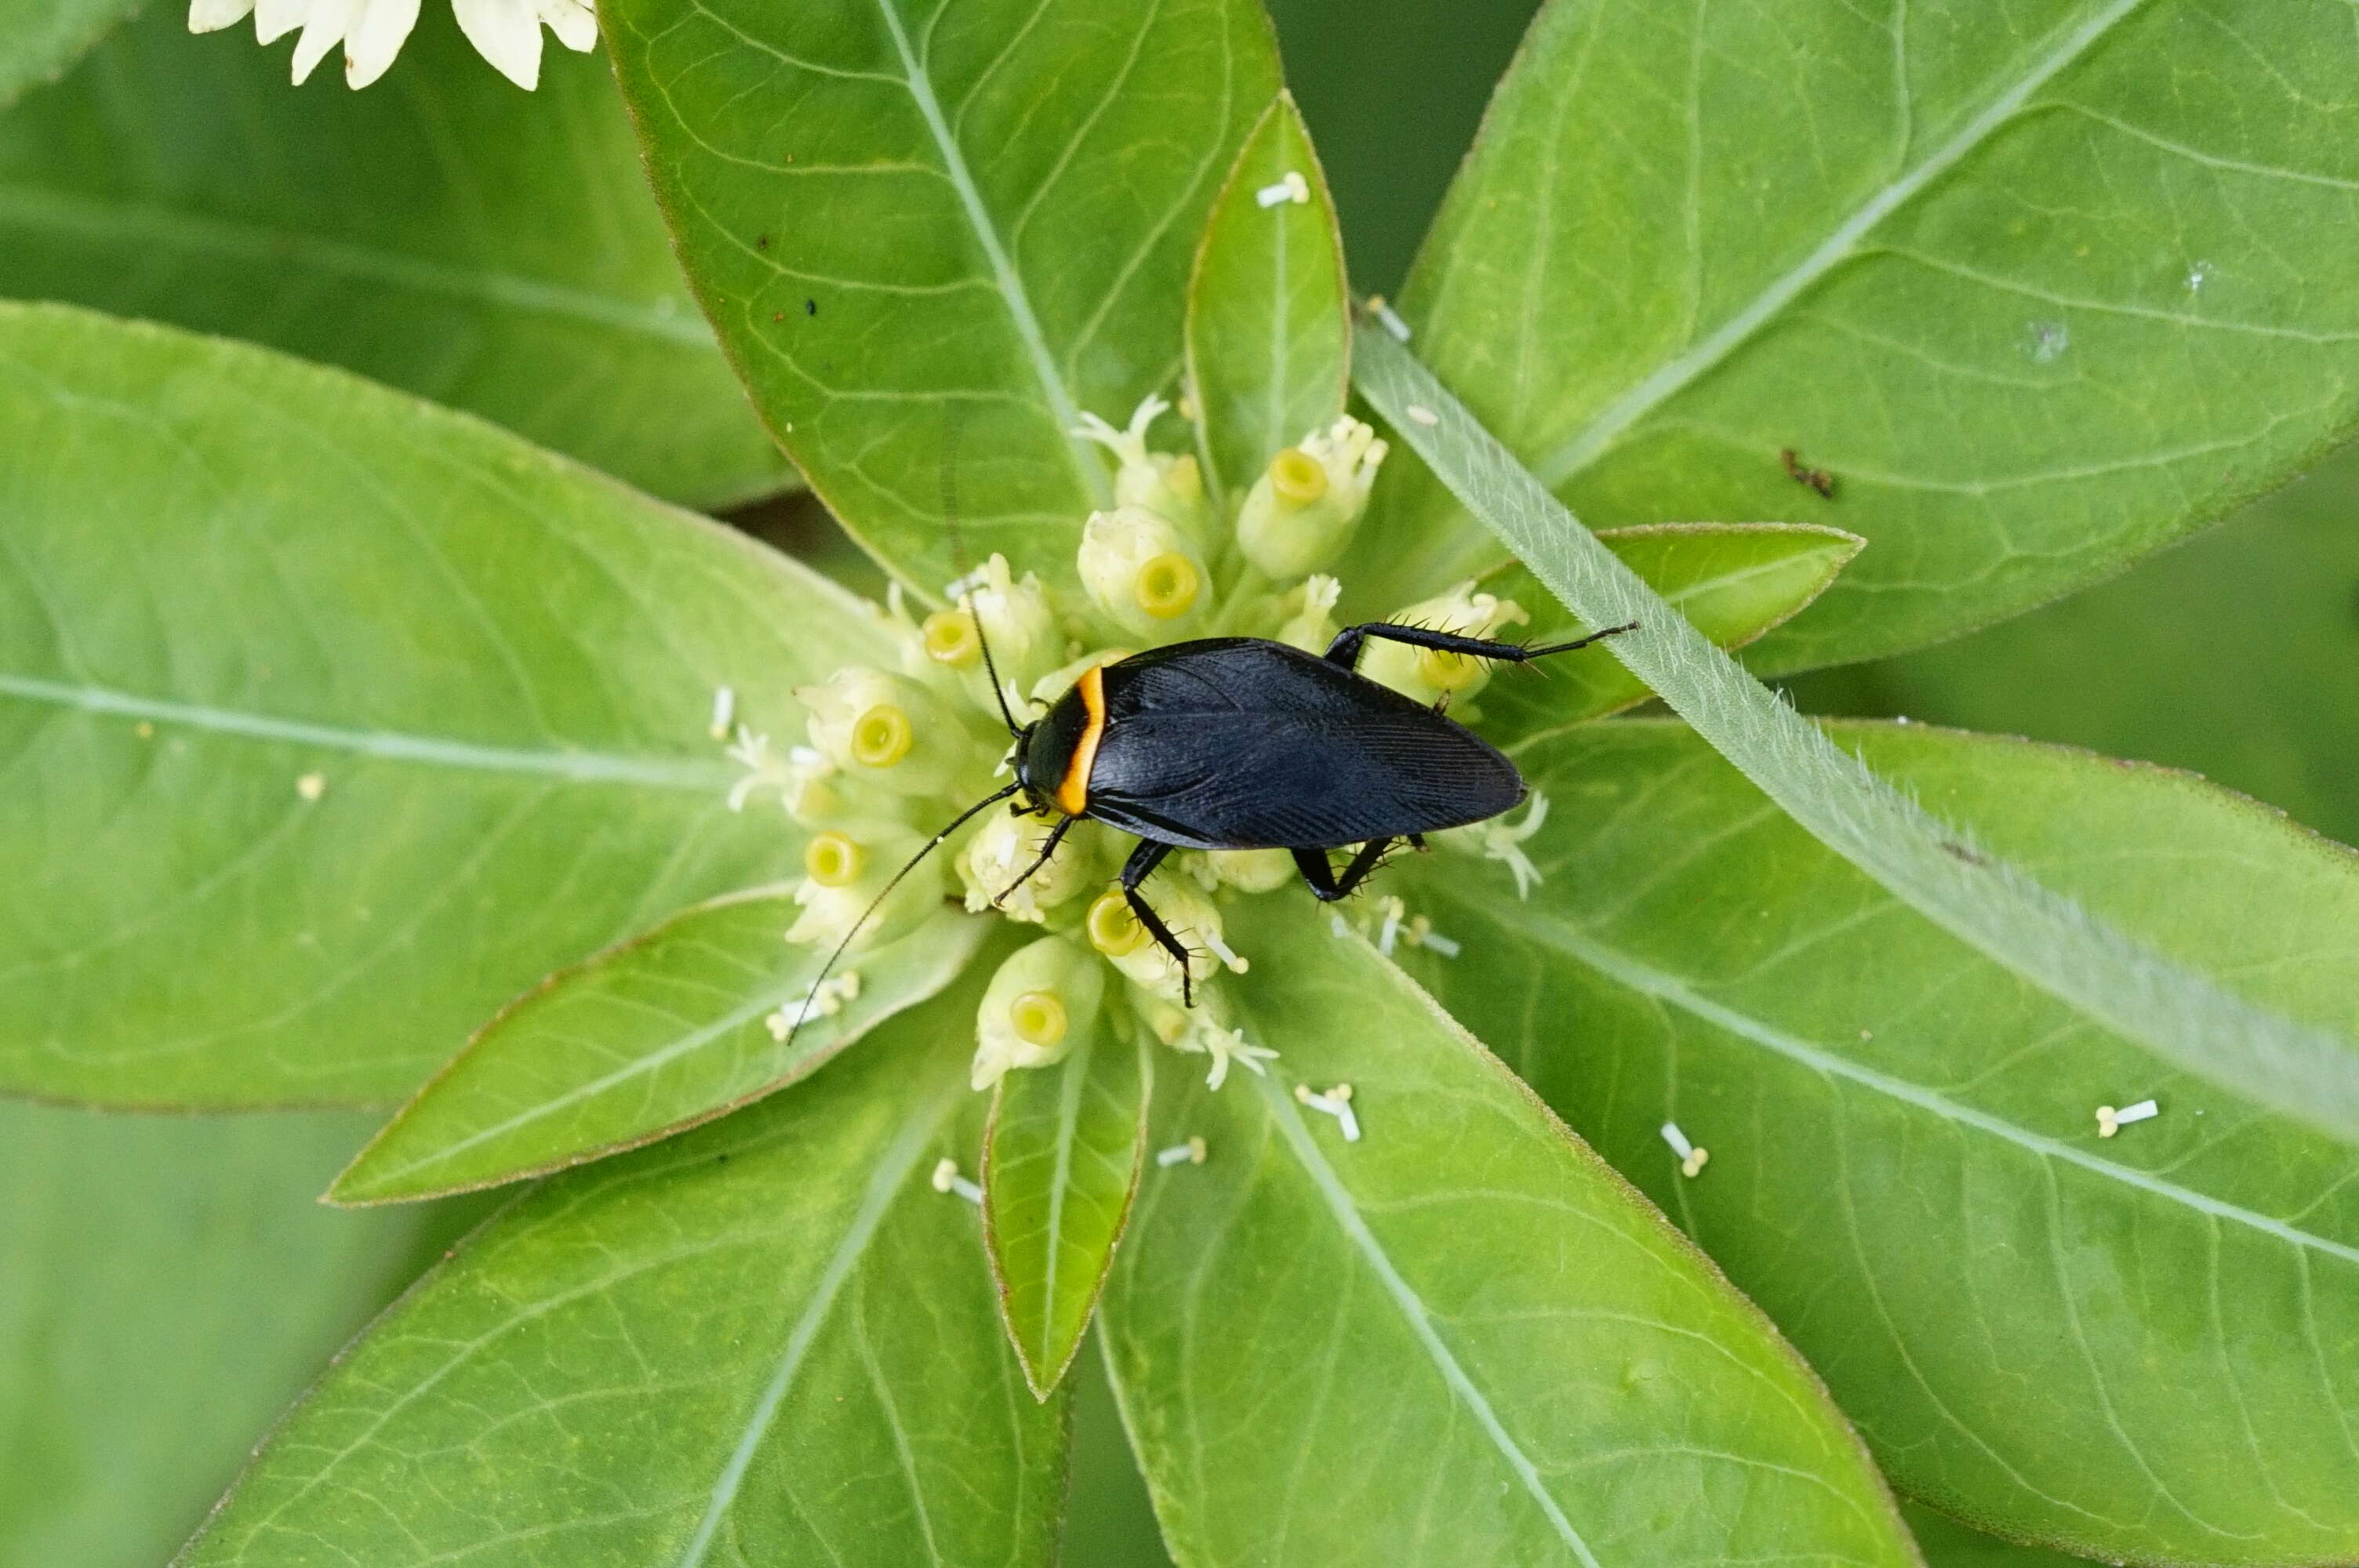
(1236, 743)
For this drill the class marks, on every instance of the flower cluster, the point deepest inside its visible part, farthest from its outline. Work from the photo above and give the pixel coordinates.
(891, 754)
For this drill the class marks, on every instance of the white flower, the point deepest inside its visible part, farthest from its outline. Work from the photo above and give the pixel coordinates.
(1043, 1002)
(886, 729)
(766, 770)
(1191, 918)
(1017, 618)
(1224, 1046)
(1006, 846)
(1147, 575)
(847, 874)
(1170, 487)
(1300, 512)
(506, 32)
(1310, 614)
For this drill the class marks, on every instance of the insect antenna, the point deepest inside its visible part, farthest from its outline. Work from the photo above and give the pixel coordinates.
(810, 998)
(966, 569)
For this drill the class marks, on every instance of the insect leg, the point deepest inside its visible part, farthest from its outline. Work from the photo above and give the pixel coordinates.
(1325, 885)
(1056, 837)
(1135, 871)
(1346, 649)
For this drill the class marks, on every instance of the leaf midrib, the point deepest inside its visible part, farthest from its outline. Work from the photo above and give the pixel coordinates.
(1577, 453)
(1640, 976)
(1404, 1296)
(1069, 1118)
(152, 225)
(577, 767)
(1010, 281)
(884, 1184)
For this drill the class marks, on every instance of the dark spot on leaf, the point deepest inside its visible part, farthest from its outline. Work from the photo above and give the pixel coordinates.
(721, 1159)
(1819, 479)
(1960, 853)
(810, 306)
(761, 242)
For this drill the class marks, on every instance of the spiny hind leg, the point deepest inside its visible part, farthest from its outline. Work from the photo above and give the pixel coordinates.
(1346, 649)
(1325, 885)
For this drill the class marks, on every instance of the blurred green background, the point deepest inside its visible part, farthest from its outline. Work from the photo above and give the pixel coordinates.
(166, 1284)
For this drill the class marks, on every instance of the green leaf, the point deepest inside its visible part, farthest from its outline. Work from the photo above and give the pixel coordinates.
(1269, 322)
(1061, 1164)
(38, 38)
(1461, 1338)
(1946, 1543)
(669, 1029)
(2043, 288)
(919, 229)
(2228, 656)
(1731, 581)
(486, 248)
(2177, 1010)
(2139, 1346)
(769, 1340)
(166, 1286)
(330, 720)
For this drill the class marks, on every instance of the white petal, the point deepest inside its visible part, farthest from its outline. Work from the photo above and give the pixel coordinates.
(323, 30)
(213, 15)
(383, 25)
(507, 33)
(575, 24)
(274, 19)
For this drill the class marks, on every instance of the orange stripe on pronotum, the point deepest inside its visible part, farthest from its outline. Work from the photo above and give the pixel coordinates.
(1073, 790)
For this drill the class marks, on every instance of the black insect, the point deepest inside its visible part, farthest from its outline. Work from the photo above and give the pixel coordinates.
(1245, 743)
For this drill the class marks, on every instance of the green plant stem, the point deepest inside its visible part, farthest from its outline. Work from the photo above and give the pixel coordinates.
(1934, 867)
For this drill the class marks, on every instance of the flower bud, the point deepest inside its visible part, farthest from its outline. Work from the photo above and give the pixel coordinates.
(1300, 512)
(888, 730)
(811, 793)
(1424, 673)
(1191, 917)
(1248, 870)
(1170, 487)
(1006, 846)
(1310, 614)
(1044, 1001)
(1020, 622)
(1145, 574)
(843, 873)
(816, 796)
(1058, 681)
(949, 639)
